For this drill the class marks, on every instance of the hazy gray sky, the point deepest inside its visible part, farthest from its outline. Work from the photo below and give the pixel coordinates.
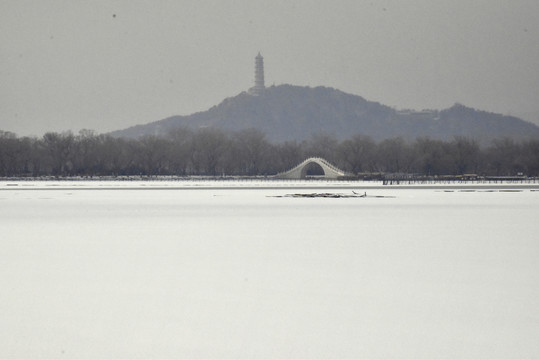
(106, 65)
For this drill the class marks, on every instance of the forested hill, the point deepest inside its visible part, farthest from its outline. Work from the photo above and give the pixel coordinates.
(288, 112)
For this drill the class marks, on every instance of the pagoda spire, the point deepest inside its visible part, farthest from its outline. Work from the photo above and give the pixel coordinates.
(259, 76)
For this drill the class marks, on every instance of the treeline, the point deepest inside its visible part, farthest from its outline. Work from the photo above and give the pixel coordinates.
(213, 152)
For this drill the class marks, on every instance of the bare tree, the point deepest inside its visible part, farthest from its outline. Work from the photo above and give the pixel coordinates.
(59, 148)
(321, 145)
(208, 150)
(394, 156)
(530, 157)
(503, 157)
(432, 157)
(288, 155)
(86, 152)
(179, 149)
(9, 153)
(466, 155)
(357, 154)
(250, 151)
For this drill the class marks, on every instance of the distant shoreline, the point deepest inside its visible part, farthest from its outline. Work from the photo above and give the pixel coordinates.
(238, 183)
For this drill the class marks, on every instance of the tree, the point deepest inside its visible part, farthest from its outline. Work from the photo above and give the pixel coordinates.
(114, 156)
(465, 153)
(357, 154)
(86, 152)
(321, 145)
(432, 157)
(503, 157)
(394, 156)
(208, 150)
(287, 155)
(530, 157)
(250, 151)
(9, 153)
(59, 150)
(179, 149)
(153, 154)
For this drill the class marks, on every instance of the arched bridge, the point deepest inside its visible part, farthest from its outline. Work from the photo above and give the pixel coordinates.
(300, 171)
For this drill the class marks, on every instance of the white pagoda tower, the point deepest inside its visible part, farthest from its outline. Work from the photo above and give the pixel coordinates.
(259, 76)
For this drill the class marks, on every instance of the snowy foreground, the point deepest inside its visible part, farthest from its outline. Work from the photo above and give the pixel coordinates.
(231, 270)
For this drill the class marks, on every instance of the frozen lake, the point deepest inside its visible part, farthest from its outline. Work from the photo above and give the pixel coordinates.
(230, 270)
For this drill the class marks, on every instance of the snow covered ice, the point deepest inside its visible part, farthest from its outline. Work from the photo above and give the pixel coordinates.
(227, 270)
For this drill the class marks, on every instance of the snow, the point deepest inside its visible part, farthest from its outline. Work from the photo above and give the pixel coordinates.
(227, 270)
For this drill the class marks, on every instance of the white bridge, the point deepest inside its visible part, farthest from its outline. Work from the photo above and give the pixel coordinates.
(300, 171)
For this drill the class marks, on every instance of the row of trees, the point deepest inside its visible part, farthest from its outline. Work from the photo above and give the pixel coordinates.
(211, 151)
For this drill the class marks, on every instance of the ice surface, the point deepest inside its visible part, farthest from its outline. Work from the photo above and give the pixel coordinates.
(89, 271)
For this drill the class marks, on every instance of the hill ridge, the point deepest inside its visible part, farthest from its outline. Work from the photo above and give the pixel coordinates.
(290, 112)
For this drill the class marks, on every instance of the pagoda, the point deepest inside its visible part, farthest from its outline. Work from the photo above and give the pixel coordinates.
(259, 76)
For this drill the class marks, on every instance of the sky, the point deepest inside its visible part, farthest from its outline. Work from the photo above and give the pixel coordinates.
(108, 65)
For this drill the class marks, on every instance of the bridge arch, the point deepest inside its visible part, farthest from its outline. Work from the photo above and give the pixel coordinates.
(312, 169)
(300, 171)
